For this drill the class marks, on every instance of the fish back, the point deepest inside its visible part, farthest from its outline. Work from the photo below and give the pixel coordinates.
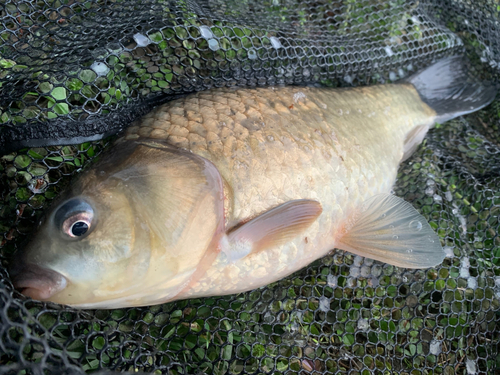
(293, 142)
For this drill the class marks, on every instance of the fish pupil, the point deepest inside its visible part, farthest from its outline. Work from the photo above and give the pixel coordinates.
(79, 228)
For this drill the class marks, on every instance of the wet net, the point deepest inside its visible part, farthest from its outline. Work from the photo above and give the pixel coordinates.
(73, 72)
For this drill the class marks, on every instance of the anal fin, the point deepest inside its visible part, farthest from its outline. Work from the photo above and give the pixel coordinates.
(392, 231)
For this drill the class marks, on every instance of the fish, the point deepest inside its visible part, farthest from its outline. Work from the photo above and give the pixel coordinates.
(230, 189)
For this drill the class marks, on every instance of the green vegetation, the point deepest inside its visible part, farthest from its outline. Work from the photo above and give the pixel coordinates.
(342, 314)
(179, 57)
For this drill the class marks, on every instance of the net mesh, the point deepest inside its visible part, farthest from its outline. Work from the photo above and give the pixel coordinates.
(77, 71)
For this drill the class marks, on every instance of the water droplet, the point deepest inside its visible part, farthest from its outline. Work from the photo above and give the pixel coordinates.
(141, 40)
(100, 68)
(332, 280)
(213, 44)
(206, 32)
(415, 224)
(270, 137)
(388, 51)
(354, 271)
(275, 42)
(383, 215)
(391, 226)
(395, 237)
(365, 271)
(348, 79)
(324, 304)
(409, 251)
(363, 324)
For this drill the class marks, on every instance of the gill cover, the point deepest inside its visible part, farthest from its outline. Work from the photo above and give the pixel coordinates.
(132, 230)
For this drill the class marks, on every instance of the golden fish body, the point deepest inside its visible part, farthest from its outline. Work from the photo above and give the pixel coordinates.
(227, 190)
(274, 145)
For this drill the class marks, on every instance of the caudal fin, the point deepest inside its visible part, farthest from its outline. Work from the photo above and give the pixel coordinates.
(448, 87)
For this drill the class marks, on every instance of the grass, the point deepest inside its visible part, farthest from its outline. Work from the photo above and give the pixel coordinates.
(194, 52)
(342, 314)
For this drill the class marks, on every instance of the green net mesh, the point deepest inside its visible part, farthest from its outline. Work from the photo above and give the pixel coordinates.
(76, 71)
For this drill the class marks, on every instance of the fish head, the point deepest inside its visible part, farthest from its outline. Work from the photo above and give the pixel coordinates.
(132, 230)
(79, 244)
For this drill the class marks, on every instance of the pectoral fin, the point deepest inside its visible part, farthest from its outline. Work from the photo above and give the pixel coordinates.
(272, 228)
(392, 231)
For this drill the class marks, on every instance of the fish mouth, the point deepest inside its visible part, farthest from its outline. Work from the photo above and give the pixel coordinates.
(37, 282)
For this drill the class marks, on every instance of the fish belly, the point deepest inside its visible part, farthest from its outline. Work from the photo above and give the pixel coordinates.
(272, 145)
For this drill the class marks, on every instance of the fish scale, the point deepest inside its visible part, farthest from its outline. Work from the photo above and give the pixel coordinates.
(273, 145)
(293, 142)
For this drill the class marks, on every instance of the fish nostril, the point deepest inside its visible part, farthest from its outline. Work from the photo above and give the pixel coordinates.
(36, 282)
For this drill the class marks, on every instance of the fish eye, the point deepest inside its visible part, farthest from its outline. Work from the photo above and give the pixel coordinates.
(74, 217)
(77, 225)
(79, 228)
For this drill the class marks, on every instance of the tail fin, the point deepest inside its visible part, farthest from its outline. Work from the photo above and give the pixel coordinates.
(448, 87)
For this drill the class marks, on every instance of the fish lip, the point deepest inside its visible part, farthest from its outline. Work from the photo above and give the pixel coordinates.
(37, 282)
